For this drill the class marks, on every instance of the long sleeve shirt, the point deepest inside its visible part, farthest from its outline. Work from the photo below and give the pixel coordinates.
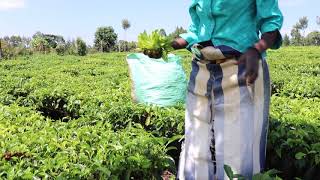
(233, 23)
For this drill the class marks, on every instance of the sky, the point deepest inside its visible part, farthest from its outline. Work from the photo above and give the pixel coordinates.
(80, 18)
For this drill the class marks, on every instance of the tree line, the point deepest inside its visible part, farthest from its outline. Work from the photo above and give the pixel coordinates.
(298, 34)
(105, 40)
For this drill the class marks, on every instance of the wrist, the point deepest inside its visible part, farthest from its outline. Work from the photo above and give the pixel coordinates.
(253, 48)
(179, 43)
(260, 46)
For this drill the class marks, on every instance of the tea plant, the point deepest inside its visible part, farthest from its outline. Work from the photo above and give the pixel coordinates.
(72, 117)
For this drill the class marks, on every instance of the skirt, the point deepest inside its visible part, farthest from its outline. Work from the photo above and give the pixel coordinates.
(226, 121)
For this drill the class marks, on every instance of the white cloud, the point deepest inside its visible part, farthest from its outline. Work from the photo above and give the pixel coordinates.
(11, 4)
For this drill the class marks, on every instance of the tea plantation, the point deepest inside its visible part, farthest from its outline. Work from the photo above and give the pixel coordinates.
(70, 117)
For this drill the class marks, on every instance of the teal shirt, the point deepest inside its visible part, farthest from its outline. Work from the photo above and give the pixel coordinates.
(234, 23)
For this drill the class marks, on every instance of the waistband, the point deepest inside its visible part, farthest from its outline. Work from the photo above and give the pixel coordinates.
(207, 51)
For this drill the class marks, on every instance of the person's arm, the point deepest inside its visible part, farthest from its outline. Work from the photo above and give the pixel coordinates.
(189, 38)
(268, 40)
(186, 40)
(252, 56)
(270, 19)
(179, 43)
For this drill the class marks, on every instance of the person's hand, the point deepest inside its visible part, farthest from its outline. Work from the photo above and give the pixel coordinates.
(251, 60)
(179, 43)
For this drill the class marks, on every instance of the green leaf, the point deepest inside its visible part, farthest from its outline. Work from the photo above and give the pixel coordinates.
(272, 172)
(300, 155)
(155, 42)
(239, 177)
(174, 138)
(228, 171)
(278, 151)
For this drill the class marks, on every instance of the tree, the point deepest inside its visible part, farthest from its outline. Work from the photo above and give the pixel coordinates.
(7, 51)
(15, 41)
(26, 42)
(286, 40)
(37, 34)
(126, 46)
(303, 24)
(176, 33)
(105, 38)
(313, 38)
(162, 32)
(53, 40)
(71, 48)
(0, 49)
(296, 37)
(61, 49)
(40, 44)
(125, 26)
(81, 47)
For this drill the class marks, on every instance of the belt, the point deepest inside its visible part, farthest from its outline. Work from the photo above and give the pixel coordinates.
(218, 61)
(207, 52)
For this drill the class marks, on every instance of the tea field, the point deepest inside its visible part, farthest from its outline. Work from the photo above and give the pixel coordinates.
(71, 117)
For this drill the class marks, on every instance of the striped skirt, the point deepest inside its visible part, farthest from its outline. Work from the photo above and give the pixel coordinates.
(226, 122)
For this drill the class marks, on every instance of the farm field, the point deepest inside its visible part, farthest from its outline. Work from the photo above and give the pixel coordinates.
(71, 117)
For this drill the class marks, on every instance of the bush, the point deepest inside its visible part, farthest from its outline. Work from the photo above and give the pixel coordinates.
(105, 39)
(8, 51)
(71, 48)
(34, 147)
(75, 106)
(81, 47)
(61, 49)
(40, 44)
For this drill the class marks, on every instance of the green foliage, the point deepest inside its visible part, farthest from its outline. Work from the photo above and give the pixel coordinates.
(155, 44)
(15, 41)
(293, 142)
(1, 49)
(105, 39)
(125, 46)
(52, 40)
(302, 23)
(297, 38)
(40, 44)
(81, 47)
(61, 49)
(71, 48)
(313, 38)
(162, 32)
(125, 24)
(269, 175)
(7, 51)
(176, 33)
(11, 51)
(286, 40)
(294, 126)
(35, 147)
(72, 117)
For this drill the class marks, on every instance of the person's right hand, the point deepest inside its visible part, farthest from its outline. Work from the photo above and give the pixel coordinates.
(179, 43)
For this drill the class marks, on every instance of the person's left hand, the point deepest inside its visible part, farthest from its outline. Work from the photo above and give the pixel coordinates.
(251, 60)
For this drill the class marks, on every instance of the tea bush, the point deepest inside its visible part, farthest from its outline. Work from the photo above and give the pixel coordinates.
(72, 117)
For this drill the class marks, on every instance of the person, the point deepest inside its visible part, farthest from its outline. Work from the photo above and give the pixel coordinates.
(228, 94)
